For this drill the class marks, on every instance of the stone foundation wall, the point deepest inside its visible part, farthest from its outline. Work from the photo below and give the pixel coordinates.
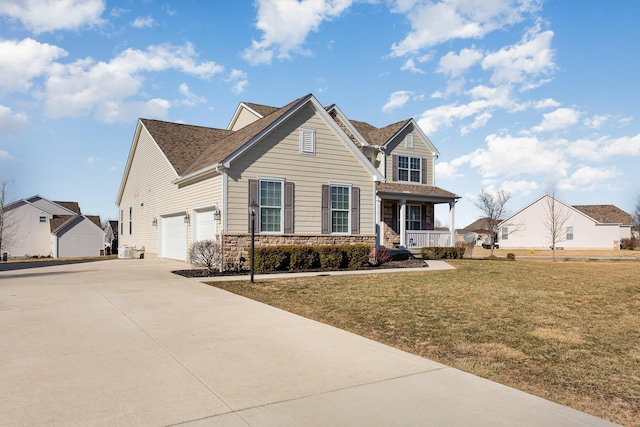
(236, 247)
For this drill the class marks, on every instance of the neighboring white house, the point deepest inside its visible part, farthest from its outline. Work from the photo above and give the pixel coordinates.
(316, 176)
(42, 228)
(583, 227)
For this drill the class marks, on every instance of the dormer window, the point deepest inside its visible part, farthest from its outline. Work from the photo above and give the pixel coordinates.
(408, 141)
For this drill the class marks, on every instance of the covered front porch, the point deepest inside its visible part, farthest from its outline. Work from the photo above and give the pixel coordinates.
(415, 205)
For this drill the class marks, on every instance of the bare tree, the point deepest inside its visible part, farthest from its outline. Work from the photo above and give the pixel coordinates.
(494, 208)
(109, 235)
(556, 216)
(7, 224)
(636, 218)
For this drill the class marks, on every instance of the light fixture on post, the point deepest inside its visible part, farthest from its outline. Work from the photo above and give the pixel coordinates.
(187, 218)
(154, 222)
(253, 210)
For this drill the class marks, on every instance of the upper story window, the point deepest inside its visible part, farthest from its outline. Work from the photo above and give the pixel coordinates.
(409, 169)
(408, 141)
(271, 199)
(307, 141)
(505, 233)
(121, 221)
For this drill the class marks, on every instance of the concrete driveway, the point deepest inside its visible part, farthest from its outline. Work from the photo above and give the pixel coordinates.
(125, 342)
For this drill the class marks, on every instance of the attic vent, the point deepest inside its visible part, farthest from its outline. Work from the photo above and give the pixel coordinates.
(307, 141)
(408, 141)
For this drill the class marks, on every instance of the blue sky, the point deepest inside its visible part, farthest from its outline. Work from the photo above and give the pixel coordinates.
(516, 95)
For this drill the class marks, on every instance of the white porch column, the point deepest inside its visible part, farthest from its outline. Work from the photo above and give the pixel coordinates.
(403, 223)
(452, 226)
(379, 222)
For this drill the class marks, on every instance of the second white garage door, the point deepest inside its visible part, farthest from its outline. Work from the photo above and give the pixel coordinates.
(173, 237)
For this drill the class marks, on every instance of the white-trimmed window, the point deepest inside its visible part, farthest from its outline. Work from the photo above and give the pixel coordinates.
(569, 233)
(307, 141)
(408, 141)
(340, 208)
(414, 217)
(271, 206)
(43, 219)
(409, 169)
(130, 220)
(505, 233)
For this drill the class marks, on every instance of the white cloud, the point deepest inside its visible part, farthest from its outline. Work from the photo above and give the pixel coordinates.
(11, 123)
(410, 66)
(588, 178)
(238, 80)
(117, 12)
(143, 22)
(190, 99)
(5, 156)
(520, 188)
(285, 25)
(84, 86)
(546, 103)
(597, 121)
(435, 22)
(605, 147)
(480, 121)
(520, 63)
(561, 118)
(397, 100)
(22, 61)
(454, 65)
(50, 15)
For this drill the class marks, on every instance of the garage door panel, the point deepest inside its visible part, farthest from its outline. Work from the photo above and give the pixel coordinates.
(173, 236)
(205, 225)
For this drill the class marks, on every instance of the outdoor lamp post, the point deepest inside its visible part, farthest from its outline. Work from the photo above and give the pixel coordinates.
(253, 210)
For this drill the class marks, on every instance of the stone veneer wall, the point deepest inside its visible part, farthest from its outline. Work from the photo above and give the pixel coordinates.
(391, 238)
(239, 245)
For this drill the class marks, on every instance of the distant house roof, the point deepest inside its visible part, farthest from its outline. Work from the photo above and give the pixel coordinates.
(263, 110)
(72, 206)
(479, 225)
(605, 214)
(59, 221)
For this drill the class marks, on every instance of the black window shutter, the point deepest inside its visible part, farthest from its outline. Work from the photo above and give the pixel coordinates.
(355, 210)
(326, 198)
(289, 199)
(423, 161)
(394, 218)
(394, 167)
(423, 217)
(253, 197)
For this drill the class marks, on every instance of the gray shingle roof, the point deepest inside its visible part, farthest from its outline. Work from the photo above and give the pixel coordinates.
(425, 190)
(72, 206)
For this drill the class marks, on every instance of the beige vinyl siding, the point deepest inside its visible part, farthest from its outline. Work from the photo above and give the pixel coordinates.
(420, 149)
(150, 192)
(278, 156)
(245, 117)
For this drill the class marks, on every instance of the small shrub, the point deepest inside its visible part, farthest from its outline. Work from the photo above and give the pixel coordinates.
(332, 257)
(382, 255)
(271, 258)
(629, 244)
(511, 256)
(357, 255)
(205, 253)
(437, 252)
(304, 258)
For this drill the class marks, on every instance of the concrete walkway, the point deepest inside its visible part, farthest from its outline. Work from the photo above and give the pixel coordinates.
(125, 342)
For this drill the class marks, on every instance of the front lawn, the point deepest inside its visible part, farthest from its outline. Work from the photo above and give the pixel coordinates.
(565, 331)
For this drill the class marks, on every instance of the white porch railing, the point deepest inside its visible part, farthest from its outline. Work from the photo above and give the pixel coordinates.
(422, 238)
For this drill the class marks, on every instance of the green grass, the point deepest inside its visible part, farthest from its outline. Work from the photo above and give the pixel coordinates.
(565, 331)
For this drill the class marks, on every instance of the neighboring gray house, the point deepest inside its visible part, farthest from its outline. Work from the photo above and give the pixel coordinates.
(317, 177)
(44, 228)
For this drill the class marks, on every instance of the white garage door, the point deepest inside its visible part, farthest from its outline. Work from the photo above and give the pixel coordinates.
(204, 225)
(173, 237)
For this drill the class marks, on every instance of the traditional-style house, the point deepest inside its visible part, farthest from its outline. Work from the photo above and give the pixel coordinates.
(316, 176)
(43, 228)
(578, 227)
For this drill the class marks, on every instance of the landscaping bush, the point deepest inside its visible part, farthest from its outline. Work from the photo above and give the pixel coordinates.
(205, 253)
(437, 252)
(332, 257)
(382, 255)
(271, 258)
(303, 258)
(511, 256)
(629, 244)
(357, 255)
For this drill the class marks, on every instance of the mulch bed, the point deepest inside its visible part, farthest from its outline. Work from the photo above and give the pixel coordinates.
(201, 272)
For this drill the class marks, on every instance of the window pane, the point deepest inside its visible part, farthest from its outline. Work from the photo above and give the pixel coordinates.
(270, 219)
(403, 162)
(340, 222)
(270, 193)
(340, 198)
(415, 163)
(415, 176)
(403, 175)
